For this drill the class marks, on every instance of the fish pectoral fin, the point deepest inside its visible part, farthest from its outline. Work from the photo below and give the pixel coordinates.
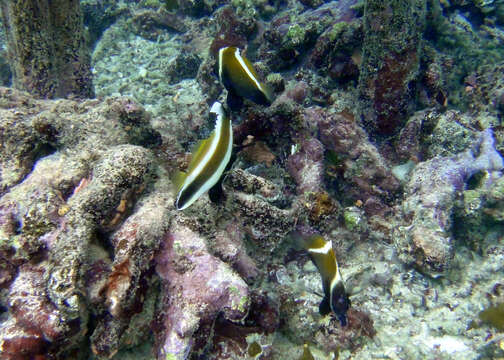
(178, 179)
(324, 307)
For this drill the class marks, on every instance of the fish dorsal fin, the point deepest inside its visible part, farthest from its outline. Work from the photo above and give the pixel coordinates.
(265, 89)
(178, 179)
(199, 151)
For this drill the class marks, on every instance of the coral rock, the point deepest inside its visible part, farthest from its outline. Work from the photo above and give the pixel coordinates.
(306, 166)
(365, 171)
(197, 288)
(427, 240)
(256, 209)
(228, 245)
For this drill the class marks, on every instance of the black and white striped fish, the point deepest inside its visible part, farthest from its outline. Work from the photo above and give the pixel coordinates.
(208, 161)
(240, 79)
(322, 254)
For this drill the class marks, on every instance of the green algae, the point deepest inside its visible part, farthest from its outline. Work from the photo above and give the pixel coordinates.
(241, 305)
(353, 219)
(254, 349)
(337, 30)
(402, 171)
(493, 316)
(296, 35)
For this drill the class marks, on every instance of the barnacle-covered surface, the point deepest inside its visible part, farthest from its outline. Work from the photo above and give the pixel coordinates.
(385, 136)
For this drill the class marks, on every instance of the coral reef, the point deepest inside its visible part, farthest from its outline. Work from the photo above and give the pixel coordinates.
(150, 24)
(306, 166)
(365, 171)
(292, 33)
(98, 15)
(255, 200)
(384, 137)
(33, 129)
(53, 215)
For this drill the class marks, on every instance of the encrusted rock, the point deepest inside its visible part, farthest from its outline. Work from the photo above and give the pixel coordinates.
(149, 23)
(233, 30)
(33, 129)
(228, 245)
(306, 166)
(264, 222)
(60, 213)
(390, 62)
(130, 286)
(48, 53)
(367, 176)
(197, 288)
(427, 240)
(291, 34)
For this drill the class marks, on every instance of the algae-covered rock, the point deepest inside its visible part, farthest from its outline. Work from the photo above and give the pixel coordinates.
(493, 316)
(390, 62)
(34, 129)
(427, 240)
(293, 32)
(254, 203)
(366, 174)
(98, 15)
(130, 291)
(451, 134)
(480, 212)
(306, 166)
(47, 49)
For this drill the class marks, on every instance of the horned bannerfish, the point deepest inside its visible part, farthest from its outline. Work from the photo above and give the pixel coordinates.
(240, 79)
(322, 254)
(208, 162)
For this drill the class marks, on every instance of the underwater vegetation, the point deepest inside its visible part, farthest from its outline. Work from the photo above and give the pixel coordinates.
(251, 179)
(493, 316)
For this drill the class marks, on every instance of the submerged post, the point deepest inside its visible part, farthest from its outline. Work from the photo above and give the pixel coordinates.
(393, 33)
(46, 47)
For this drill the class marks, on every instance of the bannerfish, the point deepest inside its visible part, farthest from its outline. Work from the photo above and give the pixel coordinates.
(208, 162)
(240, 79)
(306, 355)
(322, 254)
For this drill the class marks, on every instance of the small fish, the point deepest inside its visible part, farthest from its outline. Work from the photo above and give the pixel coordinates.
(322, 254)
(307, 355)
(208, 162)
(240, 79)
